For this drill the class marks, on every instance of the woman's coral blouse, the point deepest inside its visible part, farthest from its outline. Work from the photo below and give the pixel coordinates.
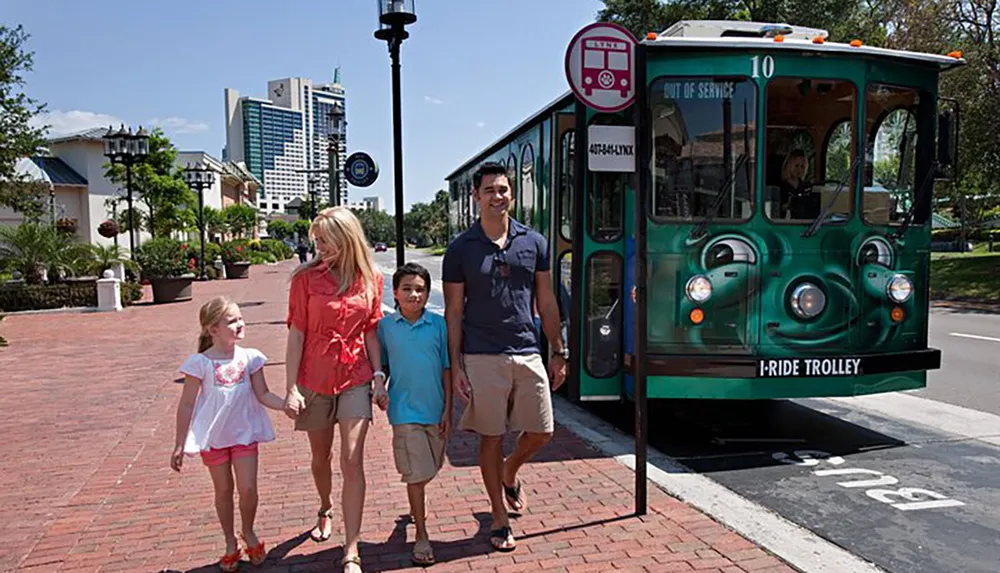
(334, 357)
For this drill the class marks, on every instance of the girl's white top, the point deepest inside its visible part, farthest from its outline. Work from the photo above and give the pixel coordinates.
(227, 412)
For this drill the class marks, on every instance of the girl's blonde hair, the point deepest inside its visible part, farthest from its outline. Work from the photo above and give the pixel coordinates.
(338, 226)
(211, 313)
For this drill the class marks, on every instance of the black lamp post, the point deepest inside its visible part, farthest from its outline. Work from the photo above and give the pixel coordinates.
(128, 149)
(394, 16)
(335, 127)
(313, 196)
(200, 177)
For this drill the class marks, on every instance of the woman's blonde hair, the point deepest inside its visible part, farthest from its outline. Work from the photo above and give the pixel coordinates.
(211, 313)
(338, 226)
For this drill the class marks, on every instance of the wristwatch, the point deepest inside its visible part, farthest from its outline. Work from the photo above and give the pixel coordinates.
(564, 353)
(379, 373)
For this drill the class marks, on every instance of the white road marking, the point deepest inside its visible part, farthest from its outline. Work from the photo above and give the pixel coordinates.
(975, 336)
(947, 418)
(796, 545)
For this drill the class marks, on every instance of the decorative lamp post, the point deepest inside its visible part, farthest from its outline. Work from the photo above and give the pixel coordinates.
(200, 177)
(335, 127)
(394, 16)
(314, 182)
(128, 149)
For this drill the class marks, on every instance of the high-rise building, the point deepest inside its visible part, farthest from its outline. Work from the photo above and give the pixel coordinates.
(282, 137)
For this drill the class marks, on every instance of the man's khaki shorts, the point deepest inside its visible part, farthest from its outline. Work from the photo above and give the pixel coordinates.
(418, 451)
(322, 411)
(510, 393)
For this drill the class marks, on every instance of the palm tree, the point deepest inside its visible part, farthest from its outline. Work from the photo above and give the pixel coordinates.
(105, 257)
(33, 248)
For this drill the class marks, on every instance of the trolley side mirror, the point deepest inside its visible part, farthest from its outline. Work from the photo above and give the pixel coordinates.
(947, 140)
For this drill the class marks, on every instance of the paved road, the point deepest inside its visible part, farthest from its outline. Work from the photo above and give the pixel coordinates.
(848, 472)
(387, 263)
(970, 361)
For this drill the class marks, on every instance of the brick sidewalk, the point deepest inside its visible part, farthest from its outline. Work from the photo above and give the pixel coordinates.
(88, 429)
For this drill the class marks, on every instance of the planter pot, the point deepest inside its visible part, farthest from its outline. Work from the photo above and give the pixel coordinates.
(238, 270)
(171, 289)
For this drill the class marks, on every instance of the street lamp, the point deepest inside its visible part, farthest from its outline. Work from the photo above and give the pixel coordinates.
(200, 177)
(128, 149)
(314, 182)
(335, 127)
(393, 17)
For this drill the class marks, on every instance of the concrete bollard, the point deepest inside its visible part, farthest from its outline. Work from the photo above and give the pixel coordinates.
(220, 268)
(109, 293)
(118, 270)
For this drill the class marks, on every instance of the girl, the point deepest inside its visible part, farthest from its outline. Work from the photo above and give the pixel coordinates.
(225, 420)
(332, 356)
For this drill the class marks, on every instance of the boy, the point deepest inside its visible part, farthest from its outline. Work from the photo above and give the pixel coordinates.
(415, 349)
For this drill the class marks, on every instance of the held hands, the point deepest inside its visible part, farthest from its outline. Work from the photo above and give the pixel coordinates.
(177, 458)
(379, 396)
(294, 403)
(461, 383)
(445, 426)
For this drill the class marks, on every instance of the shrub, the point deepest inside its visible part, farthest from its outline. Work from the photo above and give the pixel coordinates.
(261, 258)
(235, 251)
(15, 298)
(212, 252)
(163, 257)
(279, 249)
(131, 293)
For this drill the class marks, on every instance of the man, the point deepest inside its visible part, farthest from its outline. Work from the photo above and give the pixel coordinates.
(494, 274)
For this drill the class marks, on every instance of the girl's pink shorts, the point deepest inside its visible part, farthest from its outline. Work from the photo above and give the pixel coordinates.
(214, 457)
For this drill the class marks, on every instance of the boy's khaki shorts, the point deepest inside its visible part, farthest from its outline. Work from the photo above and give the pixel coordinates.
(322, 411)
(418, 450)
(510, 393)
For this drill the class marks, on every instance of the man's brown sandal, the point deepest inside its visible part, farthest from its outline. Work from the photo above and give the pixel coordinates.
(355, 559)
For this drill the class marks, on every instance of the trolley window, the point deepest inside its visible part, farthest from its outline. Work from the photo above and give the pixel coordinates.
(703, 147)
(528, 185)
(802, 115)
(604, 304)
(892, 136)
(565, 188)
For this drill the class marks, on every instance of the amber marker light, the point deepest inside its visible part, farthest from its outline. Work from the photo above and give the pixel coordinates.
(650, 35)
(856, 43)
(957, 54)
(818, 40)
(897, 314)
(697, 316)
(779, 38)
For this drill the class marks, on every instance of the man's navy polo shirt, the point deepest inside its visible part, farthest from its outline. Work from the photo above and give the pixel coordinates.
(499, 288)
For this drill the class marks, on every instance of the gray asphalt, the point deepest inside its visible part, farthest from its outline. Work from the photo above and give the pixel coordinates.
(970, 367)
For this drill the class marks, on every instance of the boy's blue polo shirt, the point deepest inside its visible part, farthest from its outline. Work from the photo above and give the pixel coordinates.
(416, 354)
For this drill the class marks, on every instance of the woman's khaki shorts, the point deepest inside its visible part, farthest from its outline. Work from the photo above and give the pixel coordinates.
(418, 451)
(322, 411)
(510, 393)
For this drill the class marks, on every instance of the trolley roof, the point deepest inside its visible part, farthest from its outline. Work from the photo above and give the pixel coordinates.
(757, 35)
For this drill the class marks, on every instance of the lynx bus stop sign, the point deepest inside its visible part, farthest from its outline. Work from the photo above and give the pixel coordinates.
(361, 169)
(600, 66)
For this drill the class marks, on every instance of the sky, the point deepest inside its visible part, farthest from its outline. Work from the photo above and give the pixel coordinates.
(471, 71)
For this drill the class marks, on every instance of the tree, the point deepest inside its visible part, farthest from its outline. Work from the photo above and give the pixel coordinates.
(170, 204)
(240, 219)
(278, 229)
(17, 138)
(379, 226)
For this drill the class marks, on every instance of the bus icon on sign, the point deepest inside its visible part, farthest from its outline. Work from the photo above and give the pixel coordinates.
(606, 65)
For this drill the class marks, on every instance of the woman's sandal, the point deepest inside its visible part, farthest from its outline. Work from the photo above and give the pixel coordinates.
(322, 514)
(256, 555)
(355, 559)
(423, 553)
(514, 498)
(501, 536)
(230, 562)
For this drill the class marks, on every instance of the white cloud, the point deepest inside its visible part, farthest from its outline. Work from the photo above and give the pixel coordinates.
(179, 125)
(480, 124)
(66, 122)
(433, 100)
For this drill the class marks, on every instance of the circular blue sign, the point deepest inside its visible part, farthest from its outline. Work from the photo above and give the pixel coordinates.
(361, 170)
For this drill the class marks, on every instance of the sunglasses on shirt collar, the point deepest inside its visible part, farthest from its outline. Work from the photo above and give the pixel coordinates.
(500, 265)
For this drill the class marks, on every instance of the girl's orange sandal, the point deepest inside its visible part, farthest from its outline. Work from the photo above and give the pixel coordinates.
(230, 562)
(258, 554)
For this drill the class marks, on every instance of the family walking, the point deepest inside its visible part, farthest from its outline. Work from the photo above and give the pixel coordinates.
(343, 356)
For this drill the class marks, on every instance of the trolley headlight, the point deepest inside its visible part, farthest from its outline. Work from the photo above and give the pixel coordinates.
(808, 300)
(899, 289)
(698, 289)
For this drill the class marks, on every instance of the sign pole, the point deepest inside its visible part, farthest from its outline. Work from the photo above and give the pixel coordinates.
(641, 116)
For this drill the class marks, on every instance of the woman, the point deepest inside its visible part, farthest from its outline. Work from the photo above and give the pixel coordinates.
(334, 306)
(797, 198)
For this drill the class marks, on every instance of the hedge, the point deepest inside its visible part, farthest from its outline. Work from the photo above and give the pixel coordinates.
(15, 298)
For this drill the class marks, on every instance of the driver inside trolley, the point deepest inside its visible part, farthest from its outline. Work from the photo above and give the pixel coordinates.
(797, 198)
